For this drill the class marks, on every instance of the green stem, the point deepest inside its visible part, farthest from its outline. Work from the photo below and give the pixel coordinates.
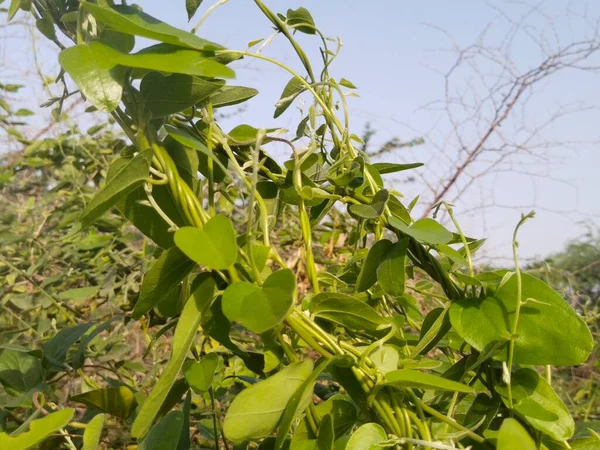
(515, 323)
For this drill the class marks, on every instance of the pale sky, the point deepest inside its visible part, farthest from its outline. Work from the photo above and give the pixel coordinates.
(395, 52)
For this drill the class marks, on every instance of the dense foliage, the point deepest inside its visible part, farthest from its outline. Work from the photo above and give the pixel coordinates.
(294, 305)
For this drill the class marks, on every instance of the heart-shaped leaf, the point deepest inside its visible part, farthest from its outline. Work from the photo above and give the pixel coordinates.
(261, 308)
(213, 246)
(548, 332)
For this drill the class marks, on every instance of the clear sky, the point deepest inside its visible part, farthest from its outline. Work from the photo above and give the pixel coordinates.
(395, 52)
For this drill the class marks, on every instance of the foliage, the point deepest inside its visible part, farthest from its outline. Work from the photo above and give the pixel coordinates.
(310, 281)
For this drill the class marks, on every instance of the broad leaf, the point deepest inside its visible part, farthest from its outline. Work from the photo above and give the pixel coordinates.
(300, 400)
(98, 77)
(130, 20)
(130, 176)
(19, 371)
(162, 280)
(300, 19)
(548, 332)
(406, 378)
(165, 434)
(191, 6)
(213, 246)
(425, 230)
(186, 139)
(256, 411)
(261, 308)
(203, 290)
(93, 433)
(513, 436)
(200, 374)
(346, 311)
(391, 272)
(368, 272)
(39, 430)
(292, 90)
(536, 402)
(118, 401)
(374, 209)
(55, 350)
(165, 95)
(232, 95)
(368, 435)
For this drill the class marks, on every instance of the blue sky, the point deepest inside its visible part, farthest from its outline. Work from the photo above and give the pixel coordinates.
(394, 53)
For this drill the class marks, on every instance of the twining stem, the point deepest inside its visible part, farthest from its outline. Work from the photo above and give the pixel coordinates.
(515, 323)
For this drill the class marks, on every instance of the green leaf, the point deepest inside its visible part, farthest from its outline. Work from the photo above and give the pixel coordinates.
(368, 272)
(216, 325)
(55, 350)
(165, 95)
(300, 400)
(162, 280)
(130, 20)
(165, 434)
(261, 308)
(301, 20)
(19, 371)
(191, 6)
(79, 357)
(426, 230)
(213, 246)
(78, 294)
(326, 435)
(232, 95)
(170, 58)
(117, 40)
(200, 375)
(384, 168)
(513, 436)
(246, 134)
(13, 8)
(145, 218)
(118, 401)
(203, 290)
(535, 401)
(130, 176)
(385, 358)
(98, 77)
(184, 138)
(96, 68)
(373, 210)
(39, 430)
(548, 332)
(46, 26)
(346, 311)
(342, 411)
(366, 436)
(93, 433)
(406, 378)
(347, 83)
(292, 89)
(391, 272)
(435, 326)
(255, 412)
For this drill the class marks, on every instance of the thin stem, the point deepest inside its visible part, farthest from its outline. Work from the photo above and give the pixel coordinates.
(515, 323)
